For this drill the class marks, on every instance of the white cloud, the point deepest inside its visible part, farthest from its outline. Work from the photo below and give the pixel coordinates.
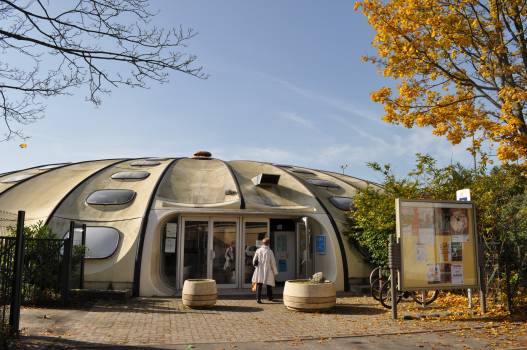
(338, 104)
(297, 119)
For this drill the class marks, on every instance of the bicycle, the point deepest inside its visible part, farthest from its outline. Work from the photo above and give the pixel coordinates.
(378, 276)
(420, 297)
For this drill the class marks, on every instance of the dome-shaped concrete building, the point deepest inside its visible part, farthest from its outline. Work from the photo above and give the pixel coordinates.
(154, 222)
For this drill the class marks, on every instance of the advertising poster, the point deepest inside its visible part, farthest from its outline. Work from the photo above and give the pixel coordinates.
(420, 252)
(456, 251)
(438, 245)
(446, 273)
(433, 274)
(444, 251)
(457, 274)
(409, 223)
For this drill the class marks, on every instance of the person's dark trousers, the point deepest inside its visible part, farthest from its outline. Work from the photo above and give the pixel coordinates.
(270, 293)
(259, 292)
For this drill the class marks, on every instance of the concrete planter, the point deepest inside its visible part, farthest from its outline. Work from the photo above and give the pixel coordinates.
(199, 293)
(303, 295)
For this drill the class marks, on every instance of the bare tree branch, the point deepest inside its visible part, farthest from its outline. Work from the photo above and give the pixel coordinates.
(49, 48)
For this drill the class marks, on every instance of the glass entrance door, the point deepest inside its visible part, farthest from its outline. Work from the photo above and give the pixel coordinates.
(284, 251)
(209, 250)
(196, 249)
(224, 259)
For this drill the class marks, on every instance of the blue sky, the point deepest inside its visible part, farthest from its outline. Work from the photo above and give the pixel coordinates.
(286, 85)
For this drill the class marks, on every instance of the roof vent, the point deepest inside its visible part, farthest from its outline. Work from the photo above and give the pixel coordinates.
(202, 154)
(266, 179)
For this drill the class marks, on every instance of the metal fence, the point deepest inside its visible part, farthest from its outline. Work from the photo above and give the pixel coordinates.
(34, 270)
(43, 271)
(7, 261)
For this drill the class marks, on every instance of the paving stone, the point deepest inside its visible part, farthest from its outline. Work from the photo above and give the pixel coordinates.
(165, 321)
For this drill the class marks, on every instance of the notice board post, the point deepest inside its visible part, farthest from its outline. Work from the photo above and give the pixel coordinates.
(439, 245)
(394, 264)
(483, 285)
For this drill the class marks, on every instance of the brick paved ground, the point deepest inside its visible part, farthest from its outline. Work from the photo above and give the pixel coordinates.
(164, 322)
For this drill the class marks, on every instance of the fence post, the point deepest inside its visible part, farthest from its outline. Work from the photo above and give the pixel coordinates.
(68, 248)
(16, 291)
(393, 262)
(83, 242)
(482, 282)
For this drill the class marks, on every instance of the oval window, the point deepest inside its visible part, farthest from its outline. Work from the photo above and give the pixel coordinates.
(131, 175)
(110, 197)
(101, 242)
(302, 171)
(323, 183)
(16, 178)
(145, 163)
(342, 203)
(51, 166)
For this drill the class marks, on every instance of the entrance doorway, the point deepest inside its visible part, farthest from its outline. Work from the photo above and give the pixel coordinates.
(284, 244)
(209, 250)
(222, 248)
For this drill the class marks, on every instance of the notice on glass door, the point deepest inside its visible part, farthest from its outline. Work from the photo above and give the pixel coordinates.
(170, 245)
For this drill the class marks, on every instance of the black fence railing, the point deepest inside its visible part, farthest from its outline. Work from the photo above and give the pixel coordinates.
(36, 271)
(43, 273)
(7, 266)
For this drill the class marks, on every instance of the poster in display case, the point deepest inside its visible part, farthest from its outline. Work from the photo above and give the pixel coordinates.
(438, 244)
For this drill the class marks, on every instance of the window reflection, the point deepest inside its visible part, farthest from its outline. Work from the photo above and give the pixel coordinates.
(224, 248)
(195, 255)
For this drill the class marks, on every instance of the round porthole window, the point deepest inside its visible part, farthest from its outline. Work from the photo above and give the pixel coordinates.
(131, 175)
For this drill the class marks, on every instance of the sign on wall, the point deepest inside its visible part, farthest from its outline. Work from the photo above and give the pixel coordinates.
(171, 230)
(170, 245)
(320, 244)
(438, 244)
(463, 195)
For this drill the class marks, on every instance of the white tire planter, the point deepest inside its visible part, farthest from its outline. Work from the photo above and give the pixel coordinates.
(199, 293)
(302, 295)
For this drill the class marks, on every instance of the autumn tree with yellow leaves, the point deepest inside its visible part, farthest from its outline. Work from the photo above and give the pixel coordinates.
(460, 68)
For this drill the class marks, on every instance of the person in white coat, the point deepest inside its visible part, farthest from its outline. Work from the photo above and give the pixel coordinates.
(264, 271)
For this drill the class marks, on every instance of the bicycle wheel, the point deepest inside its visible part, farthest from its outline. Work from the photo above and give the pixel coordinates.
(375, 288)
(429, 297)
(386, 295)
(374, 274)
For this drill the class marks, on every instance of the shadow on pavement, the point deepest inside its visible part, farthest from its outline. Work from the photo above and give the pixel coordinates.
(233, 308)
(42, 342)
(354, 309)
